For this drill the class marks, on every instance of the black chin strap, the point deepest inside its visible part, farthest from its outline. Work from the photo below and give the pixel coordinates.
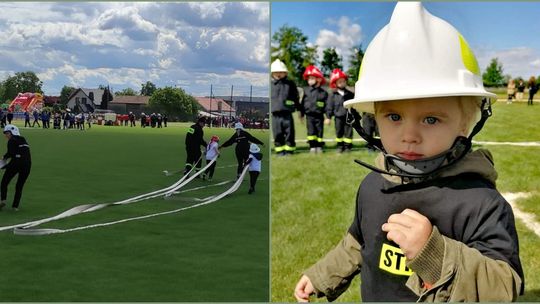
(411, 170)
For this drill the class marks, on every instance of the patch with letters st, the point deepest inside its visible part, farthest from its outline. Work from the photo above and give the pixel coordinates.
(393, 260)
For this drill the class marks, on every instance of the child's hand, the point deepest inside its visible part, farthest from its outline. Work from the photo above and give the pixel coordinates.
(410, 230)
(303, 289)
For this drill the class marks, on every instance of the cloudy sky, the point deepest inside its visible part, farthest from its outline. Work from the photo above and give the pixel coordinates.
(189, 45)
(505, 30)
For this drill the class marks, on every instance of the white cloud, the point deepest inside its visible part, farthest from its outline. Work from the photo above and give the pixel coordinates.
(208, 10)
(518, 61)
(348, 35)
(128, 43)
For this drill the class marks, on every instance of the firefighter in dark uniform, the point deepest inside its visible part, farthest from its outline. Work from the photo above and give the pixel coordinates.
(21, 162)
(334, 107)
(313, 106)
(243, 140)
(194, 142)
(285, 101)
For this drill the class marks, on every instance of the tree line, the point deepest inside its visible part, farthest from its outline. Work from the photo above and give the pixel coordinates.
(174, 102)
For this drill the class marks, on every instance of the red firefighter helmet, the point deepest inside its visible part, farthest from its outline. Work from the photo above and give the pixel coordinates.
(336, 74)
(312, 70)
(214, 138)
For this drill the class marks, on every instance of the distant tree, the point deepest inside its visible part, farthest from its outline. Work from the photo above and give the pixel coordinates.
(331, 60)
(21, 82)
(126, 92)
(290, 45)
(174, 102)
(106, 98)
(493, 76)
(148, 88)
(355, 61)
(65, 93)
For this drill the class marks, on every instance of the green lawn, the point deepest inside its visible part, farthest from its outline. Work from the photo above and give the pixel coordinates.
(313, 198)
(218, 252)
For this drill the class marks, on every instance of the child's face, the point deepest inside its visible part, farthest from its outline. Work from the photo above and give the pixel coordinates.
(279, 75)
(419, 128)
(341, 83)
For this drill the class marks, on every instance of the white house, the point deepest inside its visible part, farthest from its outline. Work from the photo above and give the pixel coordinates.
(85, 100)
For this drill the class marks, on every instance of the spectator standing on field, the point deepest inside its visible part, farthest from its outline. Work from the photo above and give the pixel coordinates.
(533, 88)
(9, 116)
(27, 119)
(511, 91)
(520, 90)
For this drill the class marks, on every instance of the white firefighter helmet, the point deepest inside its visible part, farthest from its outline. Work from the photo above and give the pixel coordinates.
(416, 55)
(278, 66)
(12, 129)
(253, 148)
(238, 125)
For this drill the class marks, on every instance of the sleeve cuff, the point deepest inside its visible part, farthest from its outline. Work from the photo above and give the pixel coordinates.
(428, 263)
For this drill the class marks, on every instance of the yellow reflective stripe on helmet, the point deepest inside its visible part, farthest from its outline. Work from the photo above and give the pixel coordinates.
(279, 149)
(289, 148)
(319, 139)
(347, 140)
(339, 140)
(312, 137)
(468, 57)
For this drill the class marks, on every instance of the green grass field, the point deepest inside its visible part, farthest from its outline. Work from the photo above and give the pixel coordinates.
(313, 198)
(218, 252)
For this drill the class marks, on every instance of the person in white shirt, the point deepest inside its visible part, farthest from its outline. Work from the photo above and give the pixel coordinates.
(212, 150)
(254, 162)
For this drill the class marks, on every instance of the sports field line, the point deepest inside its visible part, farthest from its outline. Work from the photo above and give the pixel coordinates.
(494, 143)
(527, 218)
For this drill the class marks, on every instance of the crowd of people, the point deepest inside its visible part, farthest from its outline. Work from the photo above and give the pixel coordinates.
(317, 107)
(515, 92)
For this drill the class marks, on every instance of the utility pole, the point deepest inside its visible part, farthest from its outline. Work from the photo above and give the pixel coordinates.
(233, 104)
(211, 105)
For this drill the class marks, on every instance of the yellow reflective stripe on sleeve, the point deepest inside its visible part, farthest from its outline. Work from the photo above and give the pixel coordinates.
(320, 104)
(393, 260)
(191, 130)
(339, 140)
(279, 149)
(289, 103)
(347, 140)
(468, 57)
(320, 139)
(312, 137)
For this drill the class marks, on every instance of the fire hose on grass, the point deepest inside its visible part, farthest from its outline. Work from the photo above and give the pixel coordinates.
(25, 228)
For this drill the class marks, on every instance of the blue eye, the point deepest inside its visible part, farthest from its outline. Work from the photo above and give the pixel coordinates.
(431, 120)
(394, 117)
